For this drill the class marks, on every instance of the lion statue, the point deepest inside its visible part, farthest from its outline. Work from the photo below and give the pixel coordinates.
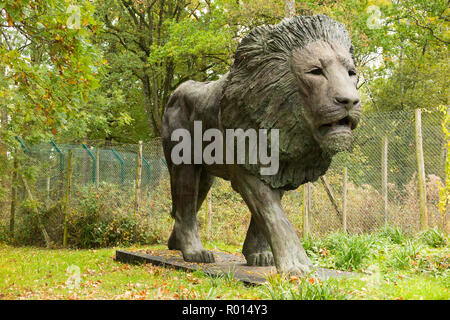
(298, 77)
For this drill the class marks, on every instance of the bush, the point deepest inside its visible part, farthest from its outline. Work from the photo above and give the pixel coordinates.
(100, 217)
(105, 216)
(4, 234)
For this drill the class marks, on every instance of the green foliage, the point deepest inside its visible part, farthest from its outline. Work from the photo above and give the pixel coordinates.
(414, 62)
(49, 68)
(310, 245)
(444, 192)
(304, 288)
(406, 271)
(105, 217)
(150, 50)
(350, 254)
(100, 217)
(402, 257)
(434, 238)
(393, 234)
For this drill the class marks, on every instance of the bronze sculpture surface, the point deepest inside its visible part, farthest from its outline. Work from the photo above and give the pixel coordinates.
(298, 77)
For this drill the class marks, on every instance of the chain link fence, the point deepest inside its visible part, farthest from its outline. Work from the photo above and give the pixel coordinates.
(385, 143)
(104, 180)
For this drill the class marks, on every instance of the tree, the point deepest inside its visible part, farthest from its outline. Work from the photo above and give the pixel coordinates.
(159, 44)
(48, 66)
(412, 73)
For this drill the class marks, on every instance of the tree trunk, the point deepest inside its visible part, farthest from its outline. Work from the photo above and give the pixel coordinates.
(156, 112)
(146, 89)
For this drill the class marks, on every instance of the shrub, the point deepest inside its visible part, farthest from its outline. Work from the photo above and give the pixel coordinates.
(105, 216)
(100, 217)
(4, 234)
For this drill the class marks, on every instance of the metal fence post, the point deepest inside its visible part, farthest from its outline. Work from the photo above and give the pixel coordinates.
(68, 189)
(93, 161)
(13, 195)
(61, 165)
(24, 147)
(61, 155)
(97, 167)
(122, 169)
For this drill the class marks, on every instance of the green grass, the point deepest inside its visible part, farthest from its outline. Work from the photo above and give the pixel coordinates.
(433, 238)
(412, 268)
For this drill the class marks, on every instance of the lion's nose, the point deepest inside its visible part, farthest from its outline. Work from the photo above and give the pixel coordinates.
(347, 101)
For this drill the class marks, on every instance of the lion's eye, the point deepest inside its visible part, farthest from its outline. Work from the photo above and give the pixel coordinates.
(316, 71)
(351, 73)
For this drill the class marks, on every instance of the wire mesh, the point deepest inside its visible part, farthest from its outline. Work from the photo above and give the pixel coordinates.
(113, 168)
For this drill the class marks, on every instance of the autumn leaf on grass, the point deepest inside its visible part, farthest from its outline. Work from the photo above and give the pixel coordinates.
(311, 280)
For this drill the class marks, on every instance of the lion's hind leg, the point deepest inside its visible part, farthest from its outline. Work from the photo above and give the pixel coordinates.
(185, 181)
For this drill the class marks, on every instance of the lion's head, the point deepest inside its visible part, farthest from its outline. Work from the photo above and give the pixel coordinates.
(299, 77)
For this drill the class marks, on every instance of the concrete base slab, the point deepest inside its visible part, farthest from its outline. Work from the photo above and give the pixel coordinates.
(226, 263)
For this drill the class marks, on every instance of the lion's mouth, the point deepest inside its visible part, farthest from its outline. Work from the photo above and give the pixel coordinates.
(344, 125)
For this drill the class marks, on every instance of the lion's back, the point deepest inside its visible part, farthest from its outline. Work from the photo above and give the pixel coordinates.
(194, 101)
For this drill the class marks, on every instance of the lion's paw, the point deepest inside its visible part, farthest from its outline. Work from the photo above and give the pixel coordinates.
(260, 259)
(298, 270)
(203, 256)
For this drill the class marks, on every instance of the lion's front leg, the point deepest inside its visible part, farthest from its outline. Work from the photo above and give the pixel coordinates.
(185, 181)
(265, 206)
(256, 248)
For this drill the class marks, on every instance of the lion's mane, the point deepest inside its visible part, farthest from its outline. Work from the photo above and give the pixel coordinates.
(261, 92)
